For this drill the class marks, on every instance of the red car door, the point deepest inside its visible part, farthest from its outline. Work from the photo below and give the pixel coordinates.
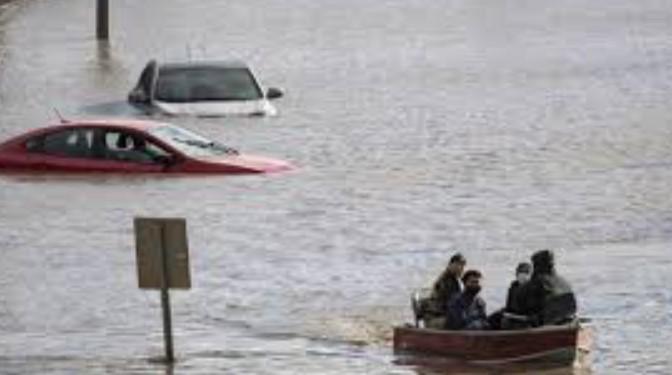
(91, 150)
(73, 164)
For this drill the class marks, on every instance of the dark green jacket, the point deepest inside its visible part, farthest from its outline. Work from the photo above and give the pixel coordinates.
(445, 287)
(547, 299)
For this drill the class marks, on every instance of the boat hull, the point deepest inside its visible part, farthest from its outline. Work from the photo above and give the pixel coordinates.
(557, 344)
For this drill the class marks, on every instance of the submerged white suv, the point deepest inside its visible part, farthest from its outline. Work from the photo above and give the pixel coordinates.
(202, 89)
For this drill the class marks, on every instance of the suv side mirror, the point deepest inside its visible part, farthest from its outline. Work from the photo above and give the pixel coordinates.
(274, 93)
(138, 96)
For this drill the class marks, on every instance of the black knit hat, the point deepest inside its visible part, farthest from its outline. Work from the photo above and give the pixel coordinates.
(543, 260)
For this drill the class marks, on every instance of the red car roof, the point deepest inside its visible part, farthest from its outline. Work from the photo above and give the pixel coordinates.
(128, 124)
(142, 125)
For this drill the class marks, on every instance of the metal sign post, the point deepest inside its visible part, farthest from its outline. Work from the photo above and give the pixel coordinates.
(163, 263)
(165, 300)
(102, 19)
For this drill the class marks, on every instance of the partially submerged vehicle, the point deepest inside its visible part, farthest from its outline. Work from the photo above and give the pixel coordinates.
(206, 89)
(126, 146)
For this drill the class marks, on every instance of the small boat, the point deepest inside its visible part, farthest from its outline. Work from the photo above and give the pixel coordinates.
(562, 344)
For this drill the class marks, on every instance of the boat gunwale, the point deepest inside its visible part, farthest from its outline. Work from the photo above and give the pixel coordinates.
(513, 332)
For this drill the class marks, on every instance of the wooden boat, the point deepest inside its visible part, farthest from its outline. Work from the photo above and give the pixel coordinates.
(563, 344)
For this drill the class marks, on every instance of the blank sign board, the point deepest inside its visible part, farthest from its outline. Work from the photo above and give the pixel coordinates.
(162, 253)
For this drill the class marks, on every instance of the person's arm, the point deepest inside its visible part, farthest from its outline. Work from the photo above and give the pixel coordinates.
(533, 301)
(481, 309)
(439, 290)
(513, 303)
(455, 313)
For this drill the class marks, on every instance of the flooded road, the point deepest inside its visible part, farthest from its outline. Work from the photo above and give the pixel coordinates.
(419, 128)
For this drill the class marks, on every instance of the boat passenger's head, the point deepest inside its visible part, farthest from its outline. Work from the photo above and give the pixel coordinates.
(523, 272)
(543, 261)
(456, 264)
(472, 282)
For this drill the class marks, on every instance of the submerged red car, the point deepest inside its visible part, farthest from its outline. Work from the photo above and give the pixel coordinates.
(127, 146)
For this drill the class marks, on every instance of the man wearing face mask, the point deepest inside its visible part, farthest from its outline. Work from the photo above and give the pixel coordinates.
(505, 318)
(523, 274)
(466, 310)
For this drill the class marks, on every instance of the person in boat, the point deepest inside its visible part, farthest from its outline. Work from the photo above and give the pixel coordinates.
(505, 317)
(523, 276)
(433, 310)
(466, 310)
(548, 298)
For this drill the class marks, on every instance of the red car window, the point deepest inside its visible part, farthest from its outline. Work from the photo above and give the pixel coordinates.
(71, 143)
(124, 146)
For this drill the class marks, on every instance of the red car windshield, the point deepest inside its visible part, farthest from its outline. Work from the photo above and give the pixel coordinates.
(190, 143)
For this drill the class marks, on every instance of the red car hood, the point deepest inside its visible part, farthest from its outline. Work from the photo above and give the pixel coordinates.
(251, 163)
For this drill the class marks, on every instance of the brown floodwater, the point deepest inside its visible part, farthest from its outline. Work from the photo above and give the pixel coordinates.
(419, 128)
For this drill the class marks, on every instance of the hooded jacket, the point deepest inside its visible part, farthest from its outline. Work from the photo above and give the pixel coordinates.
(547, 298)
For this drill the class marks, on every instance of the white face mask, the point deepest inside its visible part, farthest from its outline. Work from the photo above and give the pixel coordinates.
(523, 278)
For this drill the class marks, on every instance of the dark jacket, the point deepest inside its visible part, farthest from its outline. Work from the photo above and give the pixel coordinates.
(512, 298)
(547, 298)
(466, 312)
(445, 287)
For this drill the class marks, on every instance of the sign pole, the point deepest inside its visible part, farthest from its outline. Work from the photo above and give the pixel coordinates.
(162, 256)
(165, 301)
(102, 19)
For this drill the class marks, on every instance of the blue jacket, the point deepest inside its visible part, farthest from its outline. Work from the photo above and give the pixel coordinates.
(466, 312)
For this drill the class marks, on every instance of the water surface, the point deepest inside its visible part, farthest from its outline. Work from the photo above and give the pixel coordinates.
(419, 127)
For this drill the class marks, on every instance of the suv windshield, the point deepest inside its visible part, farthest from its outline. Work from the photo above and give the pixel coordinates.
(193, 84)
(190, 143)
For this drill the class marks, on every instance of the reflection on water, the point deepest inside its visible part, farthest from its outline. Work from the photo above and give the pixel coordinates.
(420, 128)
(115, 108)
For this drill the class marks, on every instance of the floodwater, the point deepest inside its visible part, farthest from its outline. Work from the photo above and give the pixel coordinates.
(419, 127)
